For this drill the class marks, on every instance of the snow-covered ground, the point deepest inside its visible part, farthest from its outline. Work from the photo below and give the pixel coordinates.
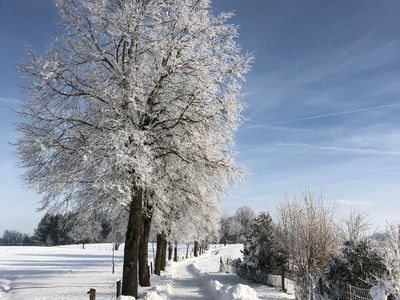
(68, 272)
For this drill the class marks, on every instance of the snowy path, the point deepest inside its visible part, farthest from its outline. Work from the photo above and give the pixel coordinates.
(186, 284)
(192, 279)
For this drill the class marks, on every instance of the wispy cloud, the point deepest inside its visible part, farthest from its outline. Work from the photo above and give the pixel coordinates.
(356, 203)
(350, 150)
(7, 100)
(276, 128)
(7, 103)
(327, 115)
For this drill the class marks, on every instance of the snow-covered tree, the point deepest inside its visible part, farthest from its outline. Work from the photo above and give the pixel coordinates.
(244, 215)
(128, 87)
(85, 229)
(307, 231)
(235, 228)
(355, 227)
(53, 229)
(262, 254)
(391, 257)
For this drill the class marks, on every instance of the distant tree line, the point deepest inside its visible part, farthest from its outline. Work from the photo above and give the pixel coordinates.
(59, 229)
(15, 238)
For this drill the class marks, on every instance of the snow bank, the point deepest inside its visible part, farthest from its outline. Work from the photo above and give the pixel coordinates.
(126, 298)
(159, 292)
(232, 292)
(4, 285)
(378, 292)
(155, 296)
(217, 289)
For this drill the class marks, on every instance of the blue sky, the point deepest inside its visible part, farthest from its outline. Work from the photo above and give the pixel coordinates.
(323, 103)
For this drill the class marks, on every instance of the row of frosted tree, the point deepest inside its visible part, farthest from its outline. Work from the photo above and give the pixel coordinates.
(322, 255)
(130, 115)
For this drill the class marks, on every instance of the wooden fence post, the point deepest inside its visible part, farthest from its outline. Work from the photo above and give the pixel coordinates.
(113, 264)
(349, 291)
(151, 267)
(283, 279)
(118, 288)
(92, 294)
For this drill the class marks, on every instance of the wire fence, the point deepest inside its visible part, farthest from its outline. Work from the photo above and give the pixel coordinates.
(350, 292)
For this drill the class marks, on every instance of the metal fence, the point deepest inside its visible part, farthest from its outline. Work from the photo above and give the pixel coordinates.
(350, 293)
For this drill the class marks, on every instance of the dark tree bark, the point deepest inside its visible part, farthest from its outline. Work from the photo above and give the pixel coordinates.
(187, 250)
(196, 249)
(131, 251)
(176, 251)
(158, 259)
(144, 270)
(164, 254)
(170, 249)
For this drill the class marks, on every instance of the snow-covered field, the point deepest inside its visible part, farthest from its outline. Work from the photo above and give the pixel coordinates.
(68, 272)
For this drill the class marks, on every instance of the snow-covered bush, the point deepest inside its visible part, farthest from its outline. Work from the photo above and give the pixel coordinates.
(391, 257)
(356, 264)
(261, 253)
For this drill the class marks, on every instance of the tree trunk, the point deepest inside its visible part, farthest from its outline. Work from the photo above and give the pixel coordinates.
(164, 254)
(176, 252)
(144, 271)
(187, 250)
(131, 251)
(158, 259)
(170, 249)
(196, 248)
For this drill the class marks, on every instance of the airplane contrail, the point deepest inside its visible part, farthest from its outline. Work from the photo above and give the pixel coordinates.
(321, 116)
(365, 151)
